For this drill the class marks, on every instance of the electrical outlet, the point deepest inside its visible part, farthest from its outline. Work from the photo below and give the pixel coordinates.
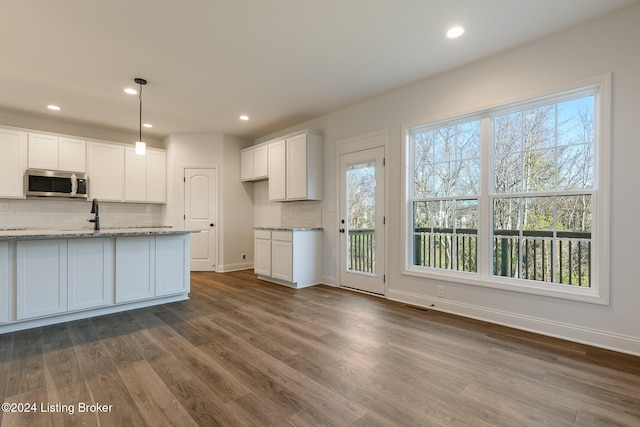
(441, 291)
(244, 257)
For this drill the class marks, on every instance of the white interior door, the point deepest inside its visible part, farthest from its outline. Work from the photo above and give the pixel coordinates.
(201, 206)
(361, 220)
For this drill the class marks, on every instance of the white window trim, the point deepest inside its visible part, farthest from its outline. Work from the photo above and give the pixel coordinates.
(599, 293)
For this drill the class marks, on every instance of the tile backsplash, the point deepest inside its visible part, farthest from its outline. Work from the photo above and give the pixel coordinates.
(302, 214)
(73, 214)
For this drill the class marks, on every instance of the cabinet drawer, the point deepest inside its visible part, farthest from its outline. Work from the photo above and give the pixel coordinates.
(285, 236)
(262, 234)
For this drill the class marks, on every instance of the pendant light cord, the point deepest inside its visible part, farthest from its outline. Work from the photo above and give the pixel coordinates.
(140, 135)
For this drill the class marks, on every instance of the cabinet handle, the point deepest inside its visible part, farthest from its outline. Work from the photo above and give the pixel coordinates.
(342, 230)
(212, 225)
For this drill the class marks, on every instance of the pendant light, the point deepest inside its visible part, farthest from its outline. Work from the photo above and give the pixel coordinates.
(141, 147)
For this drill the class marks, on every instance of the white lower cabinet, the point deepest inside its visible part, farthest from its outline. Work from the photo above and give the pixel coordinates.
(291, 258)
(135, 268)
(90, 273)
(262, 252)
(149, 267)
(172, 265)
(282, 255)
(5, 278)
(41, 278)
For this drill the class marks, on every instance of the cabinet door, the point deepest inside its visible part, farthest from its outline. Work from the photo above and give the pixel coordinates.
(277, 170)
(156, 176)
(246, 165)
(261, 162)
(41, 275)
(282, 260)
(72, 155)
(4, 282)
(43, 151)
(172, 265)
(90, 273)
(297, 167)
(106, 171)
(135, 176)
(13, 162)
(262, 257)
(135, 268)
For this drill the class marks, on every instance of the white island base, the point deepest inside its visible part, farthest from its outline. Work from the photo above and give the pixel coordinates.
(49, 277)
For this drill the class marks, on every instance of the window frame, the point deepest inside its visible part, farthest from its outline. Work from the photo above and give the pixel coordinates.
(599, 291)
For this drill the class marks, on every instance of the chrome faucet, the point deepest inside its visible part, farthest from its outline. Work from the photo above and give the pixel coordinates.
(95, 210)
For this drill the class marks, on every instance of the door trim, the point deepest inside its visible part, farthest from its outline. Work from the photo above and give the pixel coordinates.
(351, 145)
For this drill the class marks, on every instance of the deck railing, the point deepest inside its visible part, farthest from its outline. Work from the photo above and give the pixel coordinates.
(537, 258)
(567, 262)
(361, 252)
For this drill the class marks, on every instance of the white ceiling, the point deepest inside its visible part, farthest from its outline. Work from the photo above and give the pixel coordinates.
(279, 61)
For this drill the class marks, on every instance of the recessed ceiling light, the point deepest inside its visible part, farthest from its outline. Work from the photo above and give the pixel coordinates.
(53, 107)
(148, 125)
(455, 32)
(244, 117)
(130, 91)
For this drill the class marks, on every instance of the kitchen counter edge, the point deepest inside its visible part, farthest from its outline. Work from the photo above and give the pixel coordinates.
(78, 234)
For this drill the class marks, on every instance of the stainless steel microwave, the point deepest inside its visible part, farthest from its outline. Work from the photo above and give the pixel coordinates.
(44, 183)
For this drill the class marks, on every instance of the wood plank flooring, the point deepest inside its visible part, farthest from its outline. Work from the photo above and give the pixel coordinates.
(242, 352)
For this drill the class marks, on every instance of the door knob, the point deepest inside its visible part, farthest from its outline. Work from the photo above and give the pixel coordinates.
(212, 225)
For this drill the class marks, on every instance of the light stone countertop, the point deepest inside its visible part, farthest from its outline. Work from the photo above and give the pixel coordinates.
(35, 234)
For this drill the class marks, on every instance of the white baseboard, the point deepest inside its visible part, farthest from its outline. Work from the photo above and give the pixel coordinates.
(594, 337)
(227, 268)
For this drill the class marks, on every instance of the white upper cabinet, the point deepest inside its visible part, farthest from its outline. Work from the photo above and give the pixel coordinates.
(246, 164)
(13, 162)
(106, 171)
(277, 170)
(261, 162)
(145, 176)
(295, 168)
(135, 176)
(43, 151)
(72, 155)
(117, 173)
(254, 164)
(156, 176)
(56, 153)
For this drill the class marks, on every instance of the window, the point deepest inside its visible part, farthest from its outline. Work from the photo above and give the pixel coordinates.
(514, 197)
(446, 186)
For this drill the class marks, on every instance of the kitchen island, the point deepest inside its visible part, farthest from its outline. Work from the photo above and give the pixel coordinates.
(52, 276)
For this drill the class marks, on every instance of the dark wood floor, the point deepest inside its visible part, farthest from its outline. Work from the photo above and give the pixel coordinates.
(246, 352)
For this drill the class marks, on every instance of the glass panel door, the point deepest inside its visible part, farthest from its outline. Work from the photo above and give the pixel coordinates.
(361, 220)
